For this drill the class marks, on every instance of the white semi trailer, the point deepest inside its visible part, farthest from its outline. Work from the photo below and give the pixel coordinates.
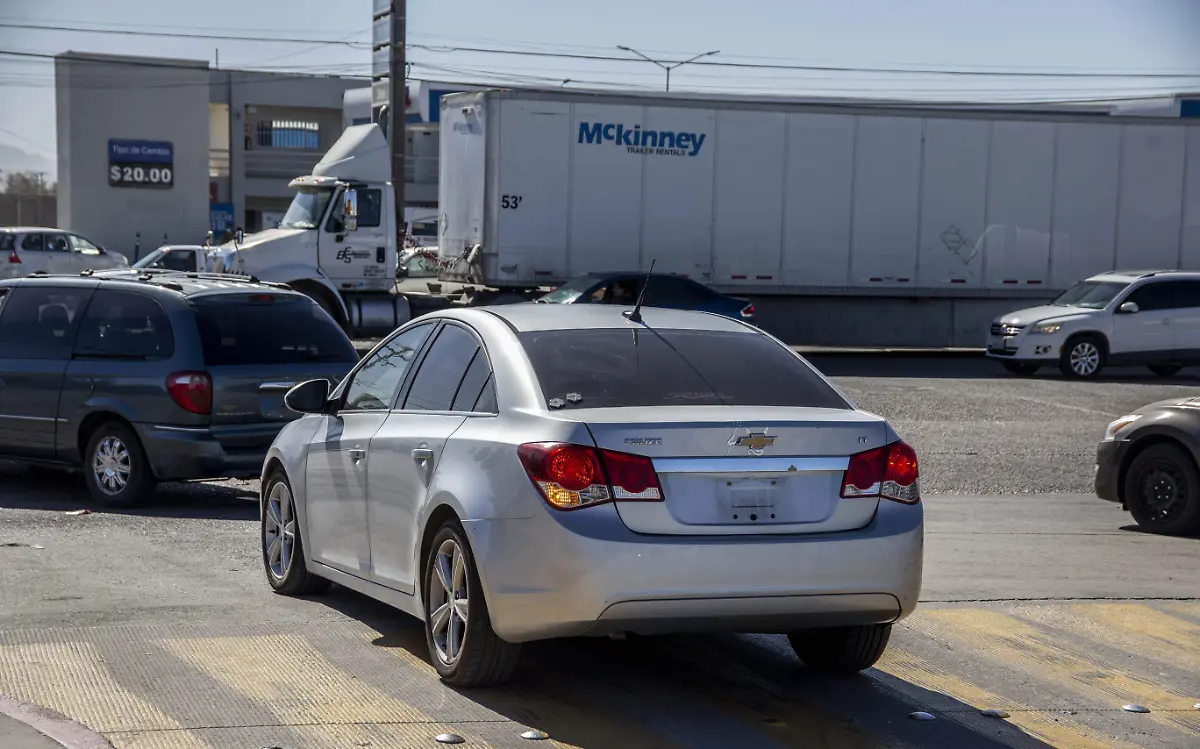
(829, 205)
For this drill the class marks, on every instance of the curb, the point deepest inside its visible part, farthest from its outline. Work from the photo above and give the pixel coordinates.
(53, 725)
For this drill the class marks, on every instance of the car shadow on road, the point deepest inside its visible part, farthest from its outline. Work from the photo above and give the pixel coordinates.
(1134, 528)
(37, 488)
(700, 691)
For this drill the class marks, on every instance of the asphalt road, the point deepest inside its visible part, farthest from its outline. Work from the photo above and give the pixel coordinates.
(157, 628)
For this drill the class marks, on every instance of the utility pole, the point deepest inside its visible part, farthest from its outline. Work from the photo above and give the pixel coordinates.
(397, 106)
(665, 66)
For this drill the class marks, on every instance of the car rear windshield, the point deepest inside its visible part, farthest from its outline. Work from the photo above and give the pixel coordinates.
(617, 368)
(268, 329)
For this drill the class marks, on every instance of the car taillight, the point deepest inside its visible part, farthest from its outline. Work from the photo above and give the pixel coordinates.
(191, 391)
(889, 472)
(573, 476)
(14, 257)
(748, 311)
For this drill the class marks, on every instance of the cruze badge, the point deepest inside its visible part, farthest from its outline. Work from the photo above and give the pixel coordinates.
(754, 442)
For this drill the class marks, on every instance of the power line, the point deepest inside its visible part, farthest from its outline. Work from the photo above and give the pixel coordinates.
(963, 72)
(182, 35)
(817, 68)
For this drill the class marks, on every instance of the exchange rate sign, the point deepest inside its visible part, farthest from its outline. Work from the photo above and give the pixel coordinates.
(141, 163)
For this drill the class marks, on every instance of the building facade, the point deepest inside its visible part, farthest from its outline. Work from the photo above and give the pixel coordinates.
(196, 149)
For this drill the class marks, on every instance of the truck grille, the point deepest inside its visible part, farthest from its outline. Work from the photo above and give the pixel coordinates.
(1006, 330)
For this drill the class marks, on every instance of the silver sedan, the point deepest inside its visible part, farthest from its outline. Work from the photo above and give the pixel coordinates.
(524, 472)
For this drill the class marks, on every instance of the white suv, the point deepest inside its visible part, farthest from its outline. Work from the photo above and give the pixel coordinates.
(32, 249)
(1150, 318)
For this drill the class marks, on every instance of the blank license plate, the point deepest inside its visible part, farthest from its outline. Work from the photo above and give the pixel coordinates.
(751, 493)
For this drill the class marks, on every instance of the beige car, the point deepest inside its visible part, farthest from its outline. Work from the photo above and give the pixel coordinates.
(29, 249)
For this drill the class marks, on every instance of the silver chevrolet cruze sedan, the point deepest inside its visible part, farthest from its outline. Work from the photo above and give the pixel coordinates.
(524, 472)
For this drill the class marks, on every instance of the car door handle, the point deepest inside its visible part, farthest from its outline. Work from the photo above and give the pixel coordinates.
(357, 454)
(422, 454)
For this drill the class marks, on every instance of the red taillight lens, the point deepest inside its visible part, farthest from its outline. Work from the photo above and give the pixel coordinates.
(889, 472)
(14, 257)
(748, 310)
(191, 391)
(573, 476)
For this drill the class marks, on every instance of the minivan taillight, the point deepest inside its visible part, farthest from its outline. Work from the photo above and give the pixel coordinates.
(14, 257)
(889, 472)
(748, 311)
(191, 391)
(572, 476)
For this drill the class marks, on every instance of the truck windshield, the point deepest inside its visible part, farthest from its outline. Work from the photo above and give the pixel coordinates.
(1090, 294)
(307, 208)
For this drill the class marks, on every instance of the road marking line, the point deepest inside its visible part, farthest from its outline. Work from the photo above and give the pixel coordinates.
(1056, 731)
(71, 678)
(289, 678)
(1134, 628)
(1022, 647)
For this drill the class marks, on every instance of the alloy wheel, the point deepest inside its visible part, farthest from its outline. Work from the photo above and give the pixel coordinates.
(111, 466)
(448, 607)
(279, 533)
(1085, 358)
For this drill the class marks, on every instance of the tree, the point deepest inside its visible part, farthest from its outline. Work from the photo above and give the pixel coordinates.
(27, 183)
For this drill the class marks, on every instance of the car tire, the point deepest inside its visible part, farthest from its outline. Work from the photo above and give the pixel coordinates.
(115, 468)
(1083, 357)
(841, 650)
(462, 645)
(1165, 370)
(1164, 474)
(1020, 369)
(283, 550)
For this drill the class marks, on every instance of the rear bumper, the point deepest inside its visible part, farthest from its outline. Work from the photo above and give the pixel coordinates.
(183, 453)
(1110, 454)
(585, 573)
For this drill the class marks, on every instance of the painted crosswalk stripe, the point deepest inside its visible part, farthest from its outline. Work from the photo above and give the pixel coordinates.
(1054, 730)
(1136, 629)
(289, 678)
(1021, 647)
(72, 678)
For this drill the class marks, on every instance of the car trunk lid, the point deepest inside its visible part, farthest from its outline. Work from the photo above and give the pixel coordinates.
(742, 470)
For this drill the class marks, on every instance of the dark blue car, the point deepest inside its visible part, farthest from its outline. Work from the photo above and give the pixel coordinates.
(671, 292)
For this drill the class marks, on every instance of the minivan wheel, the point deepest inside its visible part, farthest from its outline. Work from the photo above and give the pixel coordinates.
(115, 467)
(1162, 490)
(841, 650)
(282, 542)
(1083, 357)
(458, 629)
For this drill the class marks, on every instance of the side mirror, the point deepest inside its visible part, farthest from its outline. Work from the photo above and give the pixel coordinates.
(308, 397)
(350, 210)
(1128, 308)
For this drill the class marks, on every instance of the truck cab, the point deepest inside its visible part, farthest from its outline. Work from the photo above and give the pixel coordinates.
(346, 264)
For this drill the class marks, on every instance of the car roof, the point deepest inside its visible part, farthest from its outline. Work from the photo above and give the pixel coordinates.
(189, 285)
(27, 229)
(533, 316)
(1133, 275)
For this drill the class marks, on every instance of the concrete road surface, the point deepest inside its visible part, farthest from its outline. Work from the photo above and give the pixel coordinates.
(157, 627)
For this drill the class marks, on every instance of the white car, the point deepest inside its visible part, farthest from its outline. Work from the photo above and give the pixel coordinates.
(531, 471)
(31, 249)
(1149, 318)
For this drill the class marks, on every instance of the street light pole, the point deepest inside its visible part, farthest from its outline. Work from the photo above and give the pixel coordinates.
(665, 66)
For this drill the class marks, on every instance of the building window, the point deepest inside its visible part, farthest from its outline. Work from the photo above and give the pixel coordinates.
(289, 134)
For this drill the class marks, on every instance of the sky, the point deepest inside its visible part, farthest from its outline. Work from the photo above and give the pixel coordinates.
(1142, 47)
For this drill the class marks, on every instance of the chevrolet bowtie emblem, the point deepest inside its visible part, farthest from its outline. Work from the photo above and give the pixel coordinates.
(755, 442)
